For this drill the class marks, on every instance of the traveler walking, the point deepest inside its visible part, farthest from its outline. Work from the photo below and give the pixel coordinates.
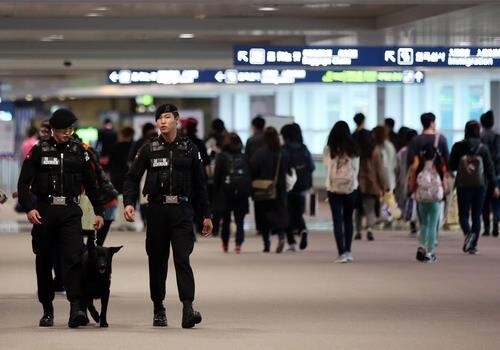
(341, 159)
(475, 171)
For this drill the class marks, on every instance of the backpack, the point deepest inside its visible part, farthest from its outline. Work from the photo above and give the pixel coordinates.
(411, 179)
(471, 170)
(342, 176)
(429, 184)
(237, 181)
(300, 160)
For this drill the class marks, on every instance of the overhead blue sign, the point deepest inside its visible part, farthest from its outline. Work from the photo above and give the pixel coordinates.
(263, 76)
(327, 56)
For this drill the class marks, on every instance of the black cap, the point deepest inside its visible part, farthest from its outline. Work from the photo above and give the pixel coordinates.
(166, 108)
(62, 118)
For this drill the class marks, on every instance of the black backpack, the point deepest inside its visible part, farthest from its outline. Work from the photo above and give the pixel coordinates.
(237, 180)
(300, 159)
(470, 172)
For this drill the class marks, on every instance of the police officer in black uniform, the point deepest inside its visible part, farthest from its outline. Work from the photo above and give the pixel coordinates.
(175, 180)
(54, 172)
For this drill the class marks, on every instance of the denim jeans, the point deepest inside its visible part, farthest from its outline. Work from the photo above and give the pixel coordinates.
(470, 204)
(428, 214)
(239, 218)
(266, 236)
(342, 206)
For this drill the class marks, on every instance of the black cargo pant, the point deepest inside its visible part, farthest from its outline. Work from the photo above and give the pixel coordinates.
(170, 224)
(487, 210)
(61, 230)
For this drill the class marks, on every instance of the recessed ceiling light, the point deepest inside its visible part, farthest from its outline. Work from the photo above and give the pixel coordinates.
(463, 43)
(101, 8)
(52, 37)
(268, 8)
(28, 97)
(93, 14)
(186, 36)
(317, 6)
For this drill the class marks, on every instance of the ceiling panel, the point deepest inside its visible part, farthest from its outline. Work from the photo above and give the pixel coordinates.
(146, 33)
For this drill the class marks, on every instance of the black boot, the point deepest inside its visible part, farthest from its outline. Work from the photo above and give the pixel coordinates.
(303, 240)
(47, 319)
(76, 315)
(160, 316)
(494, 232)
(190, 317)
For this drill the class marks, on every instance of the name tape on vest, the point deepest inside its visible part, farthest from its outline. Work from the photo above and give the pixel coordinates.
(159, 162)
(50, 161)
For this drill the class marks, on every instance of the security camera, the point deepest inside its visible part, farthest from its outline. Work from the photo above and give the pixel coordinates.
(67, 63)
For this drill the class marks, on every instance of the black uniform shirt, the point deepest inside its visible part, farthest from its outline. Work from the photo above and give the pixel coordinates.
(41, 174)
(173, 169)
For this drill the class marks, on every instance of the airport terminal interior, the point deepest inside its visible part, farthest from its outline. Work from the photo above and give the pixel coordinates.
(305, 63)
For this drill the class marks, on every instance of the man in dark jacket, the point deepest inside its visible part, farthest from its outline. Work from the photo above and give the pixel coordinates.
(428, 137)
(175, 179)
(359, 119)
(118, 158)
(190, 127)
(106, 138)
(256, 141)
(491, 140)
(475, 171)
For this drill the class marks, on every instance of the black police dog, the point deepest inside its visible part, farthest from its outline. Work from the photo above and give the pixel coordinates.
(96, 263)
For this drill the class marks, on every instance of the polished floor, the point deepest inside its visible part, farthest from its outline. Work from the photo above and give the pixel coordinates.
(383, 300)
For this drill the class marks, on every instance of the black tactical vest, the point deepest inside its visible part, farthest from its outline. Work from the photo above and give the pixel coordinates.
(60, 169)
(169, 168)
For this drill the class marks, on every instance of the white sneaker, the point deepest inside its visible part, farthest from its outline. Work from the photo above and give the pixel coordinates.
(349, 257)
(342, 259)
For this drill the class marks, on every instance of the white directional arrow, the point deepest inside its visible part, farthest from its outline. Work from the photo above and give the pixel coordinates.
(242, 56)
(219, 76)
(113, 76)
(390, 56)
(419, 76)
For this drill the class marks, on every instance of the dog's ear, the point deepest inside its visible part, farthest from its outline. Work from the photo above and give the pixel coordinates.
(114, 250)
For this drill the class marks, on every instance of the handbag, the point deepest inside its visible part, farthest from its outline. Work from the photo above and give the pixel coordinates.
(265, 189)
(390, 201)
(411, 210)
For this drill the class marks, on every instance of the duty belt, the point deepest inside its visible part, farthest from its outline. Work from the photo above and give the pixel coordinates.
(167, 199)
(62, 200)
